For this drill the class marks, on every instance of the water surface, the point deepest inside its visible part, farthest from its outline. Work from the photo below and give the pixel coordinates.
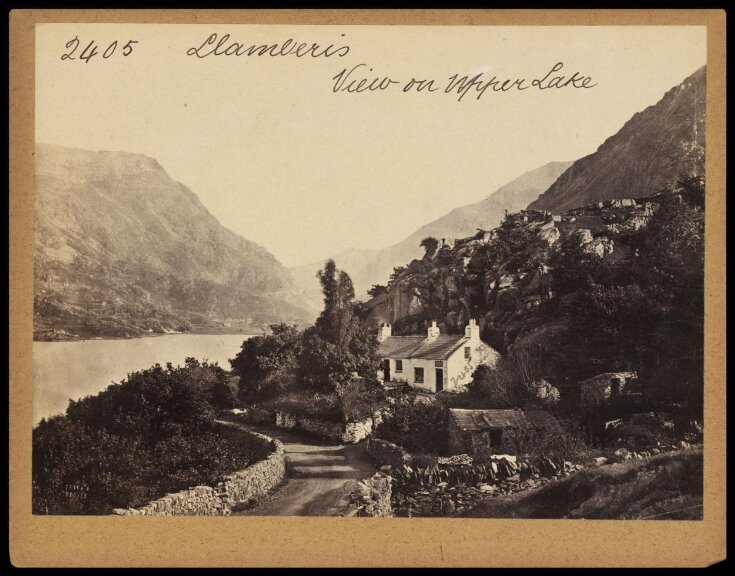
(72, 370)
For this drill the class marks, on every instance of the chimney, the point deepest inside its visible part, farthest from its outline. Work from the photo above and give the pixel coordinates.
(384, 332)
(433, 330)
(472, 331)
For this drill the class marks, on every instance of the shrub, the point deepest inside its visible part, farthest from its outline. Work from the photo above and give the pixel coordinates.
(358, 399)
(153, 433)
(419, 425)
(554, 443)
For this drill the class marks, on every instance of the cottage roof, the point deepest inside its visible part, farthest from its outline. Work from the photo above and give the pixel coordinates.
(436, 348)
(499, 419)
(399, 346)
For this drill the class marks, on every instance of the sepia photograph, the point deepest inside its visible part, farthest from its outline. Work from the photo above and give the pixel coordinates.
(369, 271)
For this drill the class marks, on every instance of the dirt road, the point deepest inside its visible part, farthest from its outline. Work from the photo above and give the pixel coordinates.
(319, 476)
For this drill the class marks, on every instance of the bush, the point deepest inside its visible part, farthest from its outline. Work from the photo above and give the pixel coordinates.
(359, 399)
(418, 425)
(554, 443)
(153, 433)
(267, 364)
(322, 405)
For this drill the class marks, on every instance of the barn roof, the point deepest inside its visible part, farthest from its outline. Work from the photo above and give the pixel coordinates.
(499, 419)
(436, 348)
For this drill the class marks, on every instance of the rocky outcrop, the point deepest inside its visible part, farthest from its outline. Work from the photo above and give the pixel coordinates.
(502, 275)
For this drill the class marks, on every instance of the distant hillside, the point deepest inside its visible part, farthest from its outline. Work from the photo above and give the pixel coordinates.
(121, 249)
(648, 153)
(368, 267)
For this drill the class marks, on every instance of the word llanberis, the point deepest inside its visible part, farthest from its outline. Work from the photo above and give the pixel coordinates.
(216, 45)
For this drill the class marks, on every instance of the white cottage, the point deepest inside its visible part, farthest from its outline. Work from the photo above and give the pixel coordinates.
(434, 362)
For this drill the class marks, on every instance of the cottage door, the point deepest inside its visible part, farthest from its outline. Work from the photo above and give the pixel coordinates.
(386, 370)
(439, 379)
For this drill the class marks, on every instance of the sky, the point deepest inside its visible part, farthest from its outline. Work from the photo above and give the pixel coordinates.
(282, 159)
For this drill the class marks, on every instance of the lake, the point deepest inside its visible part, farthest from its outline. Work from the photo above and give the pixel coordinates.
(72, 370)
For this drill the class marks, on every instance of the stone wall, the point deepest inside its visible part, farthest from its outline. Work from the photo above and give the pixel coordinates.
(372, 497)
(383, 452)
(237, 488)
(349, 433)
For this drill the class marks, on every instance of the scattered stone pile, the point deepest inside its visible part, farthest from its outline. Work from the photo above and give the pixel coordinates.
(622, 454)
(448, 487)
(455, 459)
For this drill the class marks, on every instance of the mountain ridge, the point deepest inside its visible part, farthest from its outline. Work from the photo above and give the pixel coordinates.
(649, 152)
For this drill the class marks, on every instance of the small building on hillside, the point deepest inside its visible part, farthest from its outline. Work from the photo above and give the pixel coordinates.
(470, 428)
(434, 362)
(607, 386)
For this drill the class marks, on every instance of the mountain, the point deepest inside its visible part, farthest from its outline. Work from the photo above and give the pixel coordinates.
(368, 267)
(648, 153)
(122, 250)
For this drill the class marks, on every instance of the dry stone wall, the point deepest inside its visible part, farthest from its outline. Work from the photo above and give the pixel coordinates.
(372, 497)
(237, 488)
(349, 433)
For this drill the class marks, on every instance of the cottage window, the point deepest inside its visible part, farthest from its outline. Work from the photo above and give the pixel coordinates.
(467, 352)
(418, 375)
(399, 365)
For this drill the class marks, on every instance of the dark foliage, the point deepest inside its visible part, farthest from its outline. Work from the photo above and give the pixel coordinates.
(417, 424)
(153, 433)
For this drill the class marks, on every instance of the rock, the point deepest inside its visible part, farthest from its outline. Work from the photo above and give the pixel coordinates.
(583, 236)
(549, 235)
(621, 452)
(508, 457)
(514, 478)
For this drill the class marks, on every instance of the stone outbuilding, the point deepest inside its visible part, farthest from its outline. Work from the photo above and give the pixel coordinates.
(607, 386)
(469, 427)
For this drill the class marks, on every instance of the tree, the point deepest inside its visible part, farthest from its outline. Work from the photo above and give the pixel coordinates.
(429, 244)
(340, 344)
(397, 271)
(377, 290)
(267, 364)
(337, 320)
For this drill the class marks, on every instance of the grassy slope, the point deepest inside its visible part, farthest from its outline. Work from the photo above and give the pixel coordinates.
(664, 487)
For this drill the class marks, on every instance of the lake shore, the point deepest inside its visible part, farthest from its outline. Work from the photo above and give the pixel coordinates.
(64, 336)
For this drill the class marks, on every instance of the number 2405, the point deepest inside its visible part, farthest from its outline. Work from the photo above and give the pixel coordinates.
(91, 50)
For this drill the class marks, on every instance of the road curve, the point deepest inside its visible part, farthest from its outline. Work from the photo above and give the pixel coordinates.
(319, 476)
